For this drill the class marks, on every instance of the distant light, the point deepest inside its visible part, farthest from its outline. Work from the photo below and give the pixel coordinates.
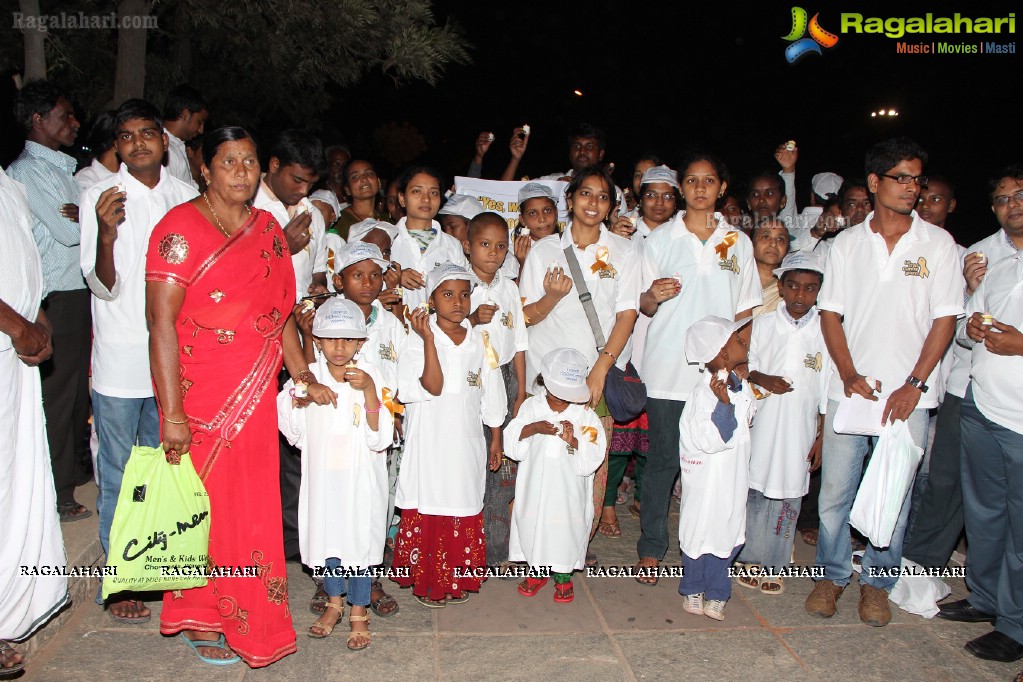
(892, 112)
(873, 114)
(578, 92)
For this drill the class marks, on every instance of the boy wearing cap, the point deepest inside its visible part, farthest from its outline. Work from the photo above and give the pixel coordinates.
(559, 442)
(715, 450)
(448, 387)
(382, 235)
(456, 213)
(789, 362)
(342, 512)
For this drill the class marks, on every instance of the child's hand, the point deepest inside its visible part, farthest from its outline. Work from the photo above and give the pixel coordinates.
(483, 314)
(523, 243)
(814, 458)
(568, 434)
(359, 380)
(411, 279)
(319, 394)
(388, 297)
(420, 321)
(304, 320)
(557, 283)
(392, 276)
(496, 453)
(720, 389)
(541, 428)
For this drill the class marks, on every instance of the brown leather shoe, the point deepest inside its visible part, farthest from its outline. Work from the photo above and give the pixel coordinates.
(874, 609)
(821, 602)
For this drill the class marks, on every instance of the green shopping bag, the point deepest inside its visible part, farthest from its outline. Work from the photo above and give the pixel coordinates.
(160, 535)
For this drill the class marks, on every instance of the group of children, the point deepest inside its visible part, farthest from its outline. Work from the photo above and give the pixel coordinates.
(423, 353)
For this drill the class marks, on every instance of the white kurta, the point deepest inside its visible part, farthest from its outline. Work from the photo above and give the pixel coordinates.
(786, 425)
(507, 330)
(342, 501)
(405, 252)
(715, 473)
(445, 456)
(28, 502)
(553, 489)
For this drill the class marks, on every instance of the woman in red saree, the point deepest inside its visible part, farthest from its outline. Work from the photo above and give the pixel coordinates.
(220, 291)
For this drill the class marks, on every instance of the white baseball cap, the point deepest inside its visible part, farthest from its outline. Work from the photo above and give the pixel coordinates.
(339, 318)
(356, 252)
(564, 374)
(462, 205)
(535, 190)
(706, 338)
(660, 174)
(824, 184)
(360, 229)
(801, 260)
(443, 273)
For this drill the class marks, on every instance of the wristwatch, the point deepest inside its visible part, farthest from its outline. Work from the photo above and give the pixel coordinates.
(917, 383)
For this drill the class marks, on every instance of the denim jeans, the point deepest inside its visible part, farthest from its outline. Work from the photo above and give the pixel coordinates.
(121, 423)
(841, 472)
(992, 469)
(662, 468)
(770, 530)
(359, 586)
(707, 575)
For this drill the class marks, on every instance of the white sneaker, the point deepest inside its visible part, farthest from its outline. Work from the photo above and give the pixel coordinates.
(714, 608)
(693, 603)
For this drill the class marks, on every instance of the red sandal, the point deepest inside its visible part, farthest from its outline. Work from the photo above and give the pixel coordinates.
(530, 586)
(564, 593)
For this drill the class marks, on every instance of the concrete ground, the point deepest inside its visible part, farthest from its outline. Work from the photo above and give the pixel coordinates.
(615, 629)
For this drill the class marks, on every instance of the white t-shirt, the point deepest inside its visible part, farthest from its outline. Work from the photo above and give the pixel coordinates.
(718, 278)
(120, 347)
(177, 160)
(997, 390)
(507, 331)
(91, 174)
(613, 286)
(889, 302)
(313, 258)
(786, 424)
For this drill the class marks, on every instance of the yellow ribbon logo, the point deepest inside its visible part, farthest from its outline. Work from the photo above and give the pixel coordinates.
(590, 432)
(330, 260)
(393, 406)
(489, 352)
(601, 262)
(726, 243)
(922, 262)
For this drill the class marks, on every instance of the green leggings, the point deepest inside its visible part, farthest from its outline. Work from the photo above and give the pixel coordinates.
(561, 578)
(616, 465)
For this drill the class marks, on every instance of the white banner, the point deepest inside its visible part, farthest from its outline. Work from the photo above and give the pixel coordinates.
(503, 197)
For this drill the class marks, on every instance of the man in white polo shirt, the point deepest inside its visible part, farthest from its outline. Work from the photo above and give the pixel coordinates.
(992, 440)
(888, 309)
(117, 216)
(184, 118)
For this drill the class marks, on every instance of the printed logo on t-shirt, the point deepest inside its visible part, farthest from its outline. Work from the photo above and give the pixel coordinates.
(476, 378)
(388, 353)
(731, 264)
(590, 432)
(508, 320)
(814, 362)
(917, 269)
(601, 266)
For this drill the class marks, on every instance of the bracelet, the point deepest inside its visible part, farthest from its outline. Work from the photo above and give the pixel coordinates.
(171, 421)
(303, 374)
(613, 358)
(536, 306)
(369, 411)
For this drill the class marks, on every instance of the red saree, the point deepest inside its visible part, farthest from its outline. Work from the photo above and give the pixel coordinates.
(238, 295)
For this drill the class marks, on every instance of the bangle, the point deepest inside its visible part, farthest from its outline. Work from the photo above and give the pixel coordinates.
(369, 411)
(536, 306)
(302, 376)
(171, 421)
(613, 358)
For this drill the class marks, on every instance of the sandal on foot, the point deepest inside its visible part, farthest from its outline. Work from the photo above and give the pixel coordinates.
(530, 586)
(458, 600)
(772, 586)
(748, 576)
(8, 652)
(317, 631)
(609, 529)
(219, 643)
(72, 511)
(431, 603)
(809, 536)
(591, 560)
(634, 509)
(642, 576)
(137, 606)
(318, 604)
(564, 592)
(385, 605)
(353, 635)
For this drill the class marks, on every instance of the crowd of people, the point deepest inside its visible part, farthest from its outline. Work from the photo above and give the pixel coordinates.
(301, 329)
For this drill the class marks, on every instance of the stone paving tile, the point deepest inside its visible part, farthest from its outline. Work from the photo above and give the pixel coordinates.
(566, 658)
(390, 657)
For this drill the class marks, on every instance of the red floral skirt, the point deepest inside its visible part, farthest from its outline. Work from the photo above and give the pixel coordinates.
(440, 552)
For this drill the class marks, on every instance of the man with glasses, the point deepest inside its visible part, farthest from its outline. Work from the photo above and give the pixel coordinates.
(888, 310)
(992, 430)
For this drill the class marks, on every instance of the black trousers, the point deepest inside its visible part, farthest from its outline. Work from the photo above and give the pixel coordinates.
(65, 385)
(291, 481)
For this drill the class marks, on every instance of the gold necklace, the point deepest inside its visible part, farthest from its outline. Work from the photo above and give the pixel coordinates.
(215, 218)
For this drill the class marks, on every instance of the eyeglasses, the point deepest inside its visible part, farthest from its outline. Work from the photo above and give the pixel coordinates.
(654, 196)
(1004, 199)
(920, 180)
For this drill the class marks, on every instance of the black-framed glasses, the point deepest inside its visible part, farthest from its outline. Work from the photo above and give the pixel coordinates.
(1004, 199)
(920, 180)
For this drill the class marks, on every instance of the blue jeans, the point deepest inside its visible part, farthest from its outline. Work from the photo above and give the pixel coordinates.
(992, 477)
(770, 530)
(708, 575)
(841, 472)
(121, 423)
(359, 586)
(662, 468)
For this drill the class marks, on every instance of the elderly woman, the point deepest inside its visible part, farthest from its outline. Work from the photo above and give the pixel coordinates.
(219, 295)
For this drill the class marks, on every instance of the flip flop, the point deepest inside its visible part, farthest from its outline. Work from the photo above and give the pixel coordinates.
(564, 593)
(430, 603)
(216, 644)
(609, 529)
(775, 583)
(634, 509)
(134, 621)
(72, 511)
(7, 650)
(647, 580)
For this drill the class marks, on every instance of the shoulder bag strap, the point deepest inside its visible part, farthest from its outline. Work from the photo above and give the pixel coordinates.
(584, 297)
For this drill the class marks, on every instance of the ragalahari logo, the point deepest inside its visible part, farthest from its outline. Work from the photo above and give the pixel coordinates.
(801, 46)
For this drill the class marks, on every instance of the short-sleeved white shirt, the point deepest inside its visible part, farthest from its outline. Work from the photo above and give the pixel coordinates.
(507, 331)
(717, 279)
(613, 289)
(313, 258)
(889, 301)
(120, 347)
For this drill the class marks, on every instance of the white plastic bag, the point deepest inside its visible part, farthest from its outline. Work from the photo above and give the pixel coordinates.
(915, 592)
(887, 481)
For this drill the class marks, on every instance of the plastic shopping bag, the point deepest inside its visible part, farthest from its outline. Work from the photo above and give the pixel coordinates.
(887, 481)
(915, 592)
(160, 535)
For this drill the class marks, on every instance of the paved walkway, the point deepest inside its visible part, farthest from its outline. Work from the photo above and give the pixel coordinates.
(615, 630)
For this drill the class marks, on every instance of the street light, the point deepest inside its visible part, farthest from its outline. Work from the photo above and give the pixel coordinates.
(578, 93)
